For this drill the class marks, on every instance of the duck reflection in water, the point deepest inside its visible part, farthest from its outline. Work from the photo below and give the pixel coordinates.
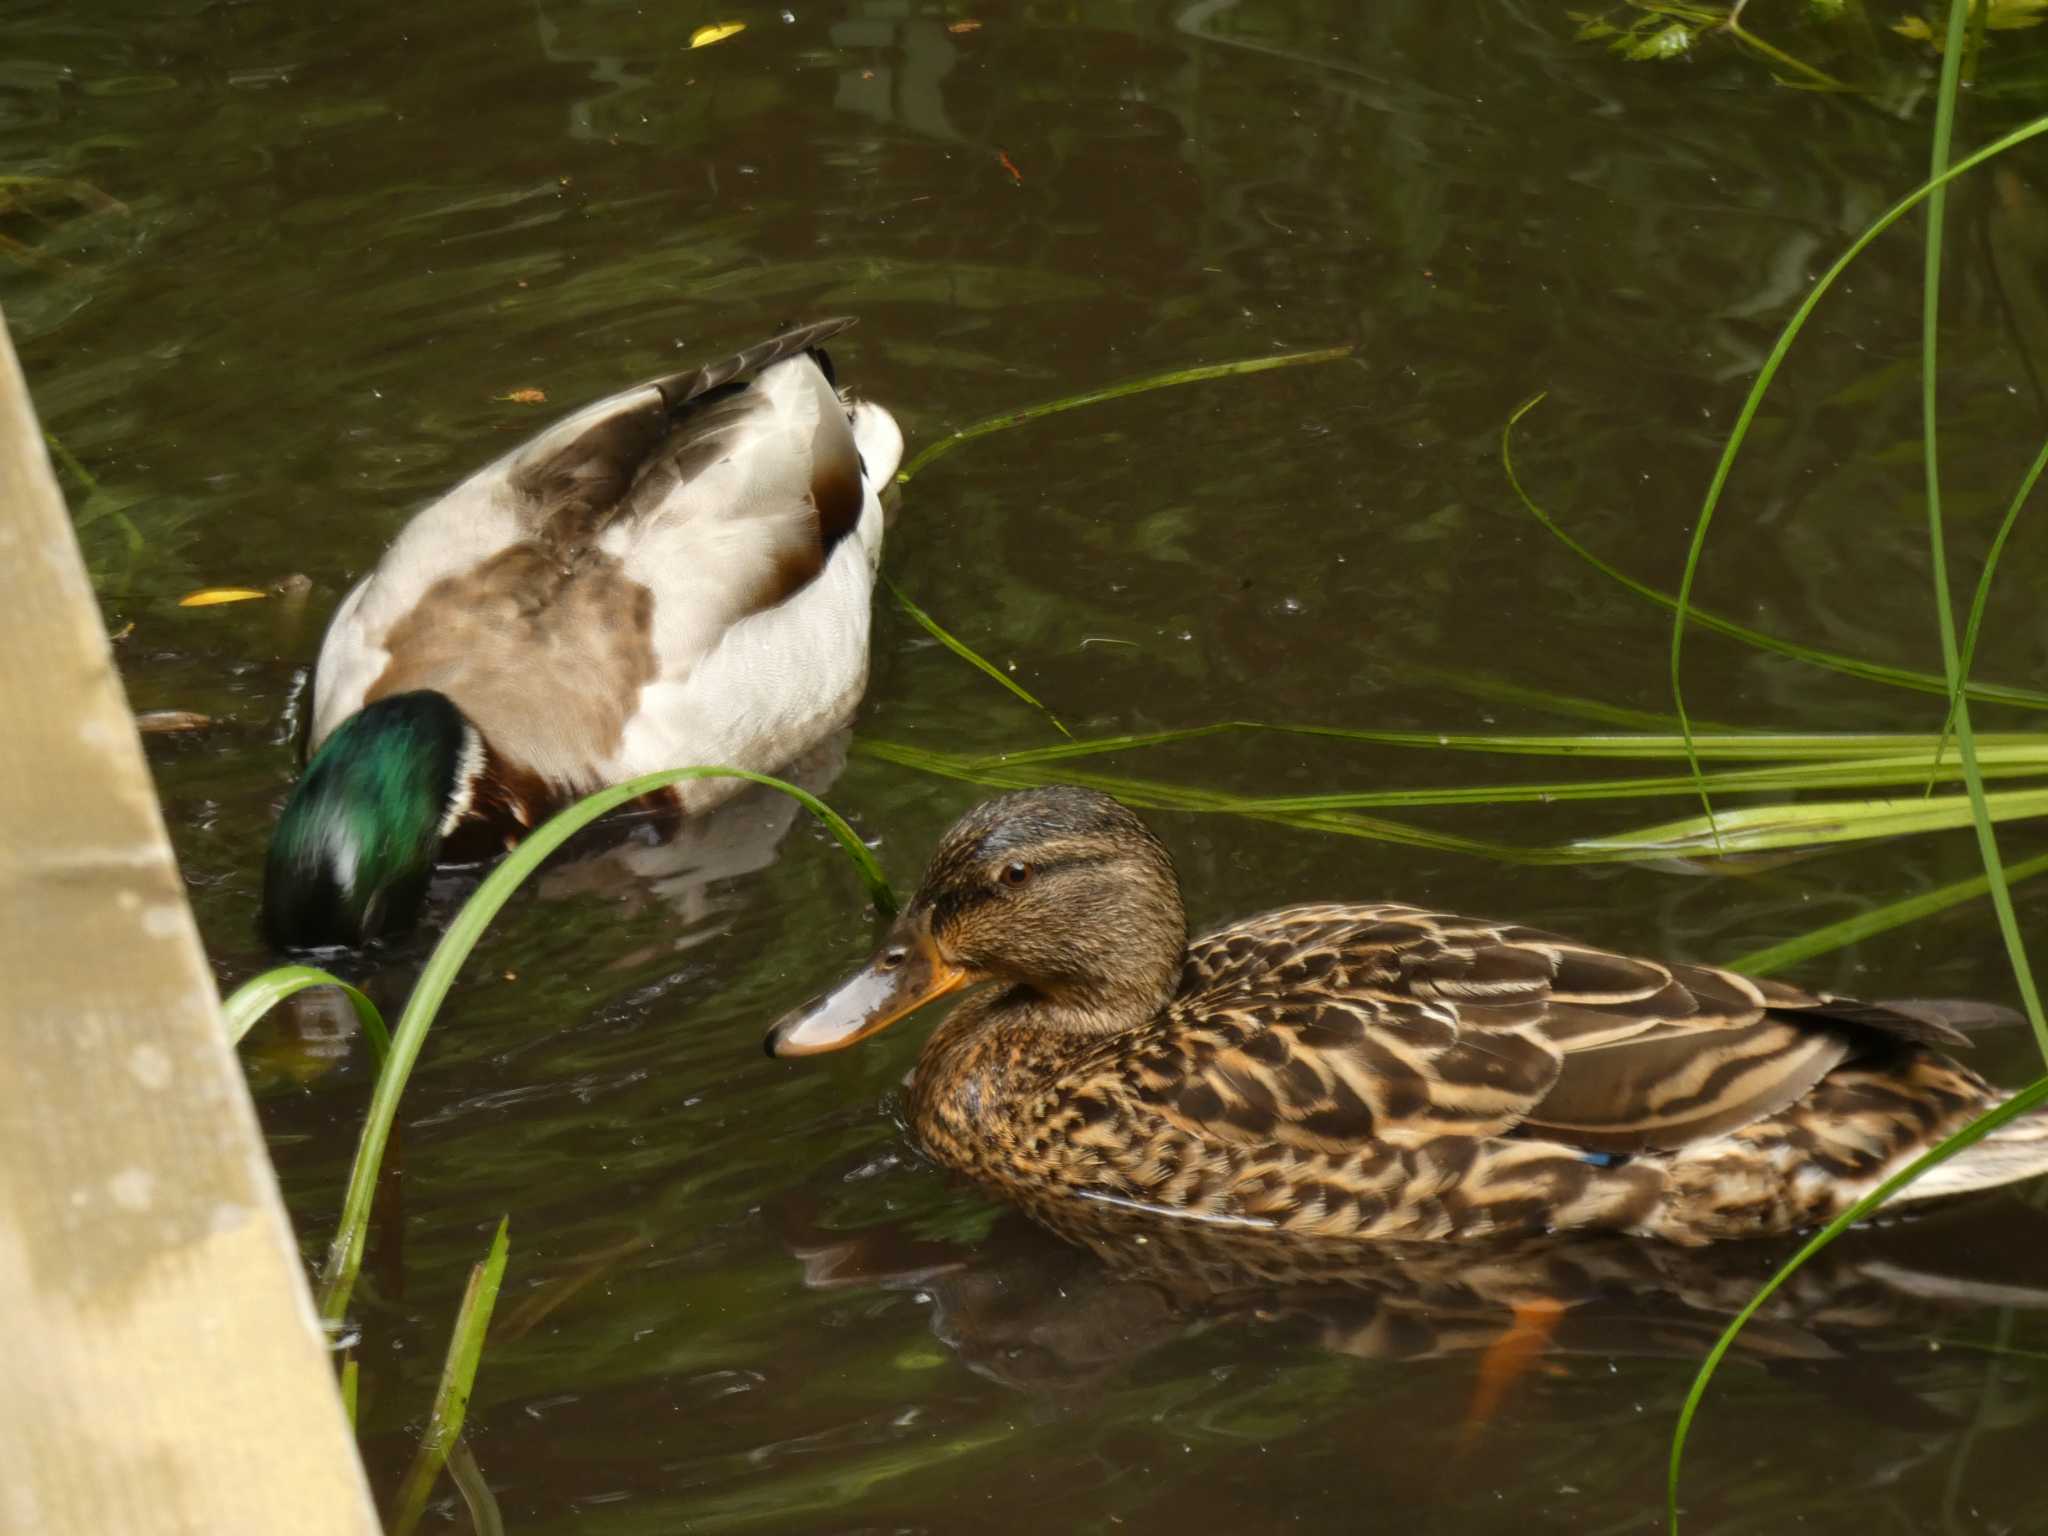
(1058, 1301)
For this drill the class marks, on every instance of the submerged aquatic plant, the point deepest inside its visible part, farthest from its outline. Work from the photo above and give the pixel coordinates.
(1872, 48)
(1650, 30)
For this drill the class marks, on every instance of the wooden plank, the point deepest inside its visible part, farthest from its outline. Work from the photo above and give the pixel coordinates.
(165, 1371)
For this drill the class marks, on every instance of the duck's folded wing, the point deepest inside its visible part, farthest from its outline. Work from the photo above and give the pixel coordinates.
(1406, 1025)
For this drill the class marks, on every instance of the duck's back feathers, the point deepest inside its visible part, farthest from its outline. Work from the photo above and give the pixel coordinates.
(1319, 1026)
(574, 597)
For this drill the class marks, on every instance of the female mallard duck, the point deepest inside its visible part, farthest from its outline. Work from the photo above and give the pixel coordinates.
(1377, 1071)
(679, 574)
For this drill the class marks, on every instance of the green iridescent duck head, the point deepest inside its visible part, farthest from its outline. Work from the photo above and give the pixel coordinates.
(353, 851)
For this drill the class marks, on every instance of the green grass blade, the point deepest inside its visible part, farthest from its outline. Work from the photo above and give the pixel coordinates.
(1168, 380)
(458, 1378)
(968, 654)
(1149, 794)
(1756, 829)
(485, 1518)
(1101, 746)
(1751, 829)
(1800, 761)
(1855, 773)
(1951, 660)
(69, 460)
(1749, 746)
(1973, 52)
(1864, 925)
(1832, 661)
(2034, 1094)
(259, 994)
(350, 1378)
(1570, 706)
(1982, 597)
(345, 1257)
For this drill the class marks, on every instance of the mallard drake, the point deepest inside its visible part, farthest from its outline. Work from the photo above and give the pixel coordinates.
(1377, 1071)
(679, 574)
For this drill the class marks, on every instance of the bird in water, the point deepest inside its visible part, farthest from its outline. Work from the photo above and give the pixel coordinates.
(1378, 1071)
(677, 575)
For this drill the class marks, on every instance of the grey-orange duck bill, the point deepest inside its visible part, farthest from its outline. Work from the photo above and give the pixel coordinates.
(1375, 1070)
(905, 974)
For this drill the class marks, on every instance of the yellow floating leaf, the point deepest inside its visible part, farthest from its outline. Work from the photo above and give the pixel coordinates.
(525, 397)
(717, 32)
(958, 27)
(207, 597)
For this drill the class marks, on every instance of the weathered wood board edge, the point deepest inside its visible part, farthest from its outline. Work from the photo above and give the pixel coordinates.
(166, 1371)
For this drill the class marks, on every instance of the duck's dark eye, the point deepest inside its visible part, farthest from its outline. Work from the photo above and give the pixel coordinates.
(1016, 872)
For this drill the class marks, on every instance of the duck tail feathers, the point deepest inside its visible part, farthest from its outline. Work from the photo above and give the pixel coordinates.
(680, 389)
(880, 442)
(2015, 1151)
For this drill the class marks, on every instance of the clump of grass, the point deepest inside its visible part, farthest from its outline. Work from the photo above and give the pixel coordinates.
(1786, 764)
(1955, 676)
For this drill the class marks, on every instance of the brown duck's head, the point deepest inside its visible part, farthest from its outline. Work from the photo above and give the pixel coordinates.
(1060, 894)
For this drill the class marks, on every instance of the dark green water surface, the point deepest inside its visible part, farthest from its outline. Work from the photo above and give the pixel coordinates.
(737, 1300)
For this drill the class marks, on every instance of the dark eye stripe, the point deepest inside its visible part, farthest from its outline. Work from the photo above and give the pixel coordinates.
(955, 903)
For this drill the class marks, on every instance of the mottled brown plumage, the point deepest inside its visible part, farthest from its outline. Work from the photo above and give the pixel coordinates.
(1377, 1071)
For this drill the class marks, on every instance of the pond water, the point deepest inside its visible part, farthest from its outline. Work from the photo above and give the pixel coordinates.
(737, 1299)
